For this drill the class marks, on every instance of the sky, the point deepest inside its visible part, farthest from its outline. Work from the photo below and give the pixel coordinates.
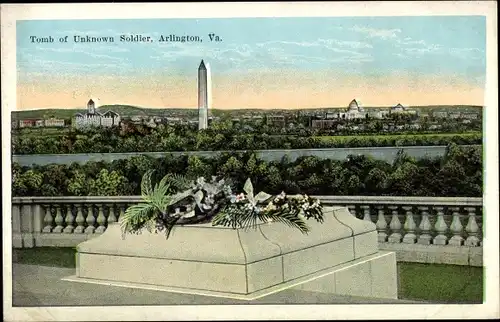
(259, 62)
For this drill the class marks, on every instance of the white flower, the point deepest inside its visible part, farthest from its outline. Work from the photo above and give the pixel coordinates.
(270, 207)
(200, 181)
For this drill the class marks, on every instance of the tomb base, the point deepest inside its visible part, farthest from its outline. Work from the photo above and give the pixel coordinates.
(339, 256)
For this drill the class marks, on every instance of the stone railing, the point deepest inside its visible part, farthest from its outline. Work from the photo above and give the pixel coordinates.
(423, 229)
(419, 229)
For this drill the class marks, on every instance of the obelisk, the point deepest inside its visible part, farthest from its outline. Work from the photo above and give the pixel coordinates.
(204, 94)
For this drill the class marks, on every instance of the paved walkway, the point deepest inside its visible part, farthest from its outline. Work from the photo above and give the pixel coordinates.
(42, 286)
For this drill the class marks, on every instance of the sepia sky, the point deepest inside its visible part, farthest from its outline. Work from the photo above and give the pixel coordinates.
(260, 62)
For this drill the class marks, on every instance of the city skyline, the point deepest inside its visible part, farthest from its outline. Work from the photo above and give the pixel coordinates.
(260, 63)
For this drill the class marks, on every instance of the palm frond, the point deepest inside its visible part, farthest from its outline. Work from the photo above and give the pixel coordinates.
(288, 218)
(179, 181)
(135, 217)
(248, 219)
(146, 187)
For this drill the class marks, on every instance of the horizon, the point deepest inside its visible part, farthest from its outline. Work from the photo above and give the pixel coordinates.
(282, 63)
(249, 109)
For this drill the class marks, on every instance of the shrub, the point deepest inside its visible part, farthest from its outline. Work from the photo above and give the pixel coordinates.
(458, 173)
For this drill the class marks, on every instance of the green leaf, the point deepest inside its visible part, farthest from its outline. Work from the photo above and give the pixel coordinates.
(290, 219)
(135, 217)
(146, 188)
(179, 181)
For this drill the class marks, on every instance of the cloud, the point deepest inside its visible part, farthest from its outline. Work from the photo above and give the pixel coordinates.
(425, 49)
(467, 53)
(87, 51)
(377, 33)
(33, 63)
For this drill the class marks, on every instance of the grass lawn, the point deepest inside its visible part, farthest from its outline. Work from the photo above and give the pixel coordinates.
(429, 282)
(440, 283)
(329, 138)
(46, 256)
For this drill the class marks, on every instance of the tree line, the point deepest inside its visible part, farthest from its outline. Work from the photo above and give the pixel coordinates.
(457, 173)
(220, 136)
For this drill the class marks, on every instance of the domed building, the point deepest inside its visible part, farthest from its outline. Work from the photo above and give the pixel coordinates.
(401, 109)
(353, 105)
(355, 110)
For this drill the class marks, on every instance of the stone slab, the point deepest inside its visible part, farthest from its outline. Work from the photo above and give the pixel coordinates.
(38, 286)
(374, 276)
(230, 278)
(350, 279)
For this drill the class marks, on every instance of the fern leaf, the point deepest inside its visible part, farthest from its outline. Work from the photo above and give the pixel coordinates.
(135, 216)
(288, 218)
(179, 181)
(146, 187)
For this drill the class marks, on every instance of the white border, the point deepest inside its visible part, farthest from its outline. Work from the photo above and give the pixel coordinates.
(11, 13)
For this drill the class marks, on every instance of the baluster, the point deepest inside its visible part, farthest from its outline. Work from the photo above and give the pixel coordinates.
(111, 214)
(48, 219)
(456, 228)
(352, 210)
(123, 208)
(366, 213)
(410, 227)
(395, 226)
(381, 225)
(70, 219)
(59, 220)
(425, 227)
(472, 228)
(90, 220)
(80, 220)
(101, 220)
(440, 227)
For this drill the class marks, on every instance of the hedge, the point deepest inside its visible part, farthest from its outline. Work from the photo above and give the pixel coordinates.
(457, 173)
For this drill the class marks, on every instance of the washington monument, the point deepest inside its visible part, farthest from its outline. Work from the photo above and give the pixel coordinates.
(204, 94)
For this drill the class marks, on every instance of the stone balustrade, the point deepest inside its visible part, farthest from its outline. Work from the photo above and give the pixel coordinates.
(421, 229)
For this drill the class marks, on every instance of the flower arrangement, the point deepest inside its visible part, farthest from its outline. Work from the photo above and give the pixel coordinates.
(176, 200)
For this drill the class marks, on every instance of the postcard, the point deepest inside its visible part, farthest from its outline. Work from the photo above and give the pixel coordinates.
(250, 161)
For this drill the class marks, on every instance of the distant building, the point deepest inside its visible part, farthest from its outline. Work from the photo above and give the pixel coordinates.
(323, 124)
(39, 123)
(454, 115)
(400, 109)
(276, 120)
(14, 124)
(27, 123)
(379, 114)
(440, 115)
(53, 122)
(354, 111)
(470, 115)
(94, 118)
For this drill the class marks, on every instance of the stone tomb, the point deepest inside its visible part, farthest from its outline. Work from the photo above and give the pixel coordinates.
(339, 256)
